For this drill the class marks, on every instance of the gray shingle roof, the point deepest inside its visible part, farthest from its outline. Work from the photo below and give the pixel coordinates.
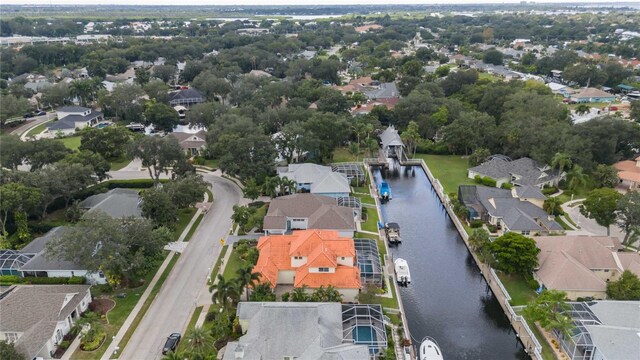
(69, 121)
(73, 109)
(529, 192)
(617, 337)
(40, 262)
(117, 203)
(322, 212)
(301, 330)
(529, 170)
(386, 90)
(34, 310)
(190, 93)
(322, 179)
(390, 137)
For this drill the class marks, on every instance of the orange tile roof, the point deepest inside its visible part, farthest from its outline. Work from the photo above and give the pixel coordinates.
(320, 247)
(627, 170)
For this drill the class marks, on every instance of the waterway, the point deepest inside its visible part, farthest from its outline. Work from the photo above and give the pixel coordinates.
(448, 299)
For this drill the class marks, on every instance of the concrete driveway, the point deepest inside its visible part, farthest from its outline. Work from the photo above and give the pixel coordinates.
(171, 310)
(31, 123)
(589, 226)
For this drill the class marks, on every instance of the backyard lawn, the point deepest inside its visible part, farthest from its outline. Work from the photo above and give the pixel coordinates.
(372, 221)
(72, 142)
(518, 288)
(119, 164)
(233, 264)
(451, 170)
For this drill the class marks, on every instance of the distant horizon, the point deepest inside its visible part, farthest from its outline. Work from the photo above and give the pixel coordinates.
(302, 2)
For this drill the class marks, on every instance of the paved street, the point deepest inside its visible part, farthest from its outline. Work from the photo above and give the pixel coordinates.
(589, 226)
(33, 122)
(171, 310)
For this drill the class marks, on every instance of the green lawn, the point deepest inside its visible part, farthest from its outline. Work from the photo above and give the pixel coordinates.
(38, 129)
(365, 199)
(451, 170)
(562, 223)
(547, 351)
(342, 154)
(212, 163)
(233, 264)
(372, 221)
(72, 142)
(184, 216)
(119, 164)
(519, 290)
(194, 227)
(486, 76)
(216, 267)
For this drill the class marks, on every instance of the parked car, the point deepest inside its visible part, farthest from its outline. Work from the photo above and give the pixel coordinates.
(40, 113)
(28, 115)
(172, 343)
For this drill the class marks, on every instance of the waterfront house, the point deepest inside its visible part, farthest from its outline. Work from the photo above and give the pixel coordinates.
(192, 143)
(516, 210)
(42, 265)
(71, 118)
(35, 318)
(311, 258)
(629, 174)
(602, 330)
(581, 266)
(316, 179)
(521, 172)
(292, 330)
(588, 95)
(308, 211)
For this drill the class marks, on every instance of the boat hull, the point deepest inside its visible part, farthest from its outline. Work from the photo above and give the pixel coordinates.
(429, 350)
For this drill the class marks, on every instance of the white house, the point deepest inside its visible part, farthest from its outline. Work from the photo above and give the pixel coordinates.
(71, 118)
(317, 179)
(35, 318)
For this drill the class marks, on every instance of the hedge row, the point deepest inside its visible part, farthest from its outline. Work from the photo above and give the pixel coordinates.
(14, 279)
(486, 181)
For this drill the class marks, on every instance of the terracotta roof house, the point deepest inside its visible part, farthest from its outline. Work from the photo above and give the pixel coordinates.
(582, 265)
(185, 97)
(117, 203)
(507, 211)
(35, 318)
(301, 330)
(366, 28)
(317, 179)
(523, 171)
(42, 265)
(192, 143)
(629, 174)
(592, 95)
(71, 118)
(308, 211)
(310, 257)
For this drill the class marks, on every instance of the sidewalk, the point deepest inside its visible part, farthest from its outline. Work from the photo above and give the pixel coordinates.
(114, 347)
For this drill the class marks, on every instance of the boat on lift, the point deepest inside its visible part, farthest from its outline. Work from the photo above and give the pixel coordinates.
(403, 276)
(429, 349)
(392, 230)
(384, 191)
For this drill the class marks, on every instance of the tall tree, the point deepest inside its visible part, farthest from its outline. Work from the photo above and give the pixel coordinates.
(17, 197)
(165, 73)
(600, 205)
(44, 152)
(99, 165)
(246, 278)
(515, 253)
(158, 207)
(605, 176)
(19, 150)
(157, 154)
(162, 116)
(186, 190)
(553, 205)
(628, 209)
(251, 189)
(9, 352)
(142, 76)
(12, 106)
(74, 178)
(627, 287)
(549, 309)
(110, 142)
(200, 341)
(411, 138)
(576, 178)
(561, 161)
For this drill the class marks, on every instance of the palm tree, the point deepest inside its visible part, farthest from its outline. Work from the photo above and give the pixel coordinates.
(200, 341)
(582, 109)
(80, 89)
(221, 292)
(173, 356)
(561, 161)
(287, 186)
(552, 206)
(270, 186)
(299, 294)
(576, 178)
(247, 278)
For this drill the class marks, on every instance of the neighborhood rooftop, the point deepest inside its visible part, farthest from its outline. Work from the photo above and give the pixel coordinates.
(322, 212)
(523, 171)
(117, 203)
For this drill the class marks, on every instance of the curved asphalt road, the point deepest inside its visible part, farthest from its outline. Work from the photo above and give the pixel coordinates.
(171, 310)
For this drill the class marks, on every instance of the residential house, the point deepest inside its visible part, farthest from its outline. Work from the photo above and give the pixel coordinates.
(523, 171)
(292, 330)
(12, 260)
(602, 330)
(192, 143)
(368, 27)
(181, 110)
(35, 318)
(506, 210)
(117, 203)
(582, 265)
(43, 265)
(560, 89)
(317, 179)
(71, 118)
(259, 74)
(310, 258)
(588, 95)
(308, 211)
(185, 97)
(129, 74)
(629, 174)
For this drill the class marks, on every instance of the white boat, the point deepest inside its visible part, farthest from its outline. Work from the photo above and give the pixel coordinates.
(429, 350)
(393, 232)
(403, 276)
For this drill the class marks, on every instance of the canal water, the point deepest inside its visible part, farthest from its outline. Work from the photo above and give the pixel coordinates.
(448, 298)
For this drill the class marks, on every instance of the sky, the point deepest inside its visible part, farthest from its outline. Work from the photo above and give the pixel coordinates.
(281, 2)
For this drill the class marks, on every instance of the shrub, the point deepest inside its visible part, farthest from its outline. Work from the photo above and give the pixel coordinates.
(476, 223)
(533, 284)
(487, 181)
(77, 280)
(211, 316)
(64, 344)
(549, 190)
(477, 179)
(285, 297)
(10, 279)
(46, 280)
(506, 186)
(198, 160)
(90, 343)
(492, 228)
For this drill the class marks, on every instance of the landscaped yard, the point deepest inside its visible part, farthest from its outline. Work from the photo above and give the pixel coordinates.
(233, 264)
(119, 164)
(365, 199)
(518, 288)
(184, 216)
(371, 224)
(451, 170)
(72, 142)
(38, 129)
